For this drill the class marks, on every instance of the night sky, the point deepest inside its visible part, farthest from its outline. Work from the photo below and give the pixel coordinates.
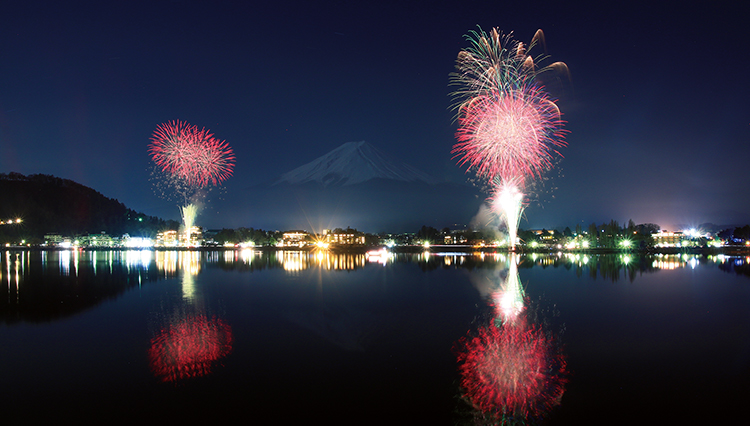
(656, 109)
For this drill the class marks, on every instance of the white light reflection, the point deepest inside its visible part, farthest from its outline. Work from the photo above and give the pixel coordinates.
(509, 299)
(138, 258)
(64, 259)
(381, 256)
(292, 261)
(191, 266)
(247, 255)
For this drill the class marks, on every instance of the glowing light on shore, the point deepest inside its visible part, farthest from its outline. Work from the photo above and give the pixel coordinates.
(138, 242)
(378, 256)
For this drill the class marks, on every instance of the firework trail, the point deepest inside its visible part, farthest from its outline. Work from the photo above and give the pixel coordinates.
(508, 127)
(507, 202)
(189, 213)
(187, 161)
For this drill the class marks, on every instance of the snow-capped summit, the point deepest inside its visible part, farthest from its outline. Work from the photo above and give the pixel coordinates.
(353, 163)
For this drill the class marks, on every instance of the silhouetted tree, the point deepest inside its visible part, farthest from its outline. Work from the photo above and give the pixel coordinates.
(567, 233)
(428, 233)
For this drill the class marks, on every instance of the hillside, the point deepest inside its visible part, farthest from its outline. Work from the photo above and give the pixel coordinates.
(48, 204)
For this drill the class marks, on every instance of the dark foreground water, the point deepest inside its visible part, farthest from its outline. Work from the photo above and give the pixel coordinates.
(295, 338)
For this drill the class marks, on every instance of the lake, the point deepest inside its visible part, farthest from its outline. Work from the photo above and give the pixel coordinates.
(286, 337)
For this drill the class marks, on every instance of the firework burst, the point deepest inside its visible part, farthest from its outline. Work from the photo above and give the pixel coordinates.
(191, 155)
(509, 135)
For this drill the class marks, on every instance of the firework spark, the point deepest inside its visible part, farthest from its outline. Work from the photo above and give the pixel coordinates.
(191, 155)
(189, 213)
(495, 62)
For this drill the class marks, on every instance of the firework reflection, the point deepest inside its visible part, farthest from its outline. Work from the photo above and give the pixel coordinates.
(189, 341)
(512, 370)
(189, 345)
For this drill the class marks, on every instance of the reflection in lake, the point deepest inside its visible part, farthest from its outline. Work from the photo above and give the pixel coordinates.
(189, 342)
(513, 371)
(42, 285)
(186, 337)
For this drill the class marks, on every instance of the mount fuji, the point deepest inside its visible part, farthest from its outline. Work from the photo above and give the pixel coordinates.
(353, 163)
(355, 185)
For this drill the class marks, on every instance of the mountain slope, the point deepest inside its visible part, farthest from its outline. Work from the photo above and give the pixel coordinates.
(353, 163)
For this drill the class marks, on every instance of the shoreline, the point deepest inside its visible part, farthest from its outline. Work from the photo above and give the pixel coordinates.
(727, 250)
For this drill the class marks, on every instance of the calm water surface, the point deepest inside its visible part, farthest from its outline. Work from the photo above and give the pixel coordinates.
(296, 337)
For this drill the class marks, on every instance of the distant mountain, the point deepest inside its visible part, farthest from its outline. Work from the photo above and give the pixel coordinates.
(354, 185)
(353, 163)
(48, 204)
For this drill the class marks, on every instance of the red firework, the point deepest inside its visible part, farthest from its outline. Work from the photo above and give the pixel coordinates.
(189, 348)
(191, 155)
(509, 134)
(512, 371)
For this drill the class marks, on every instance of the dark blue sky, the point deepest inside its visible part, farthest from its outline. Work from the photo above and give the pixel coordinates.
(657, 107)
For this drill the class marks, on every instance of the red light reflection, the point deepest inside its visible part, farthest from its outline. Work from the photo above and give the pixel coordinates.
(512, 372)
(189, 347)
